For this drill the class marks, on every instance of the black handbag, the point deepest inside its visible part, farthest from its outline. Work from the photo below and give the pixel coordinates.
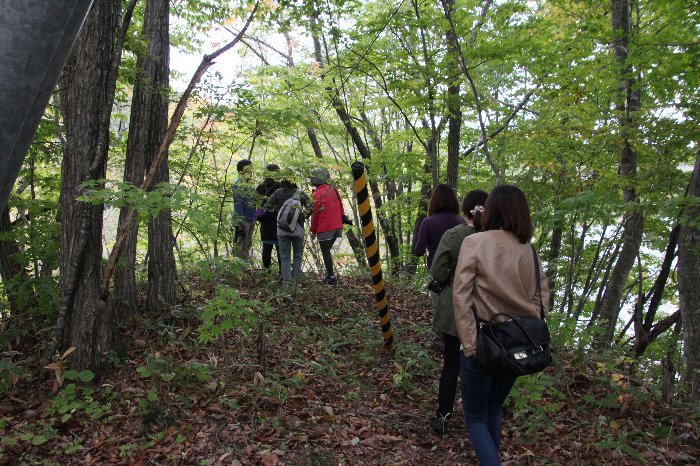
(517, 346)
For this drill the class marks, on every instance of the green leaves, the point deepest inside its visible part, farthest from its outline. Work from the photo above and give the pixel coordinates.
(228, 311)
(83, 376)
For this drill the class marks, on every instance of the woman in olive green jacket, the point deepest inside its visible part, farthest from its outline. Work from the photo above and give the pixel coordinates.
(442, 272)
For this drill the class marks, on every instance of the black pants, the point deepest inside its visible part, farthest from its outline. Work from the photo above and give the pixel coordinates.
(326, 247)
(267, 255)
(450, 373)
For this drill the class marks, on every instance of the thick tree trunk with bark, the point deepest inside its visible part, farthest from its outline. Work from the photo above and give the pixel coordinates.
(85, 322)
(161, 258)
(627, 106)
(146, 130)
(688, 280)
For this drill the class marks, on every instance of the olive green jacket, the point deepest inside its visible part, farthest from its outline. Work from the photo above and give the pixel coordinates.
(442, 270)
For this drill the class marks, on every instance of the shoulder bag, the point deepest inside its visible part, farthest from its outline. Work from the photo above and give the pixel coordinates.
(517, 346)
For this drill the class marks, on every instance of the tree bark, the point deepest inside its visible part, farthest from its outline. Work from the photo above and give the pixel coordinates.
(146, 130)
(688, 279)
(454, 109)
(162, 270)
(627, 106)
(85, 322)
(11, 271)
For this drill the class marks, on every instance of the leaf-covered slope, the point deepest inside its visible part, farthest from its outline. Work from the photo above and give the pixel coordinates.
(319, 389)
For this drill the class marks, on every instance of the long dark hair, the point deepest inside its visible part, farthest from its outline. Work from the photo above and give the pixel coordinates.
(443, 199)
(506, 209)
(476, 198)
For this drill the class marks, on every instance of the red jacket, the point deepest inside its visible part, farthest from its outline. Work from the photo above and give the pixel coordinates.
(328, 210)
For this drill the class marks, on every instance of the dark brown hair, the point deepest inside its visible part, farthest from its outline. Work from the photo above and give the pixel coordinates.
(443, 199)
(507, 209)
(240, 166)
(286, 184)
(475, 197)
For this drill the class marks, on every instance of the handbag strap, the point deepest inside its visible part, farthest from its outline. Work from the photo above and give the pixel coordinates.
(537, 279)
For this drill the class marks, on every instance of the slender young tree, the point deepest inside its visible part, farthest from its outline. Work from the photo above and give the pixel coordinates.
(627, 107)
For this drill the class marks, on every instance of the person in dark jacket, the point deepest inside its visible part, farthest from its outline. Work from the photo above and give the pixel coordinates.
(443, 214)
(289, 242)
(442, 272)
(268, 227)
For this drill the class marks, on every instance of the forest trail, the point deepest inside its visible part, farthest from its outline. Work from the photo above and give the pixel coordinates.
(322, 391)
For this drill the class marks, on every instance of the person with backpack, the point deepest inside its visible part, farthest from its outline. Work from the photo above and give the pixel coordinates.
(442, 271)
(243, 209)
(289, 206)
(327, 218)
(268, 227)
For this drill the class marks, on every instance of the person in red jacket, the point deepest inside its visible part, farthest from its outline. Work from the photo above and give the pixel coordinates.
(326, 219)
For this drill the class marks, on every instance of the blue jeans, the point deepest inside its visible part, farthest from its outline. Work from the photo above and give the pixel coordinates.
(286, 244)
(483, 395)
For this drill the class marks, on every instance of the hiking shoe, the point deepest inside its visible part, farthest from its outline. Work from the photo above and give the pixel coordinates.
(330, 280)
(439, 424)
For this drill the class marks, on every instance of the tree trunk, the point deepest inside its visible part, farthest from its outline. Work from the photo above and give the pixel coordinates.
(454, 126)
(627, 107)
(85, 322)
(454, 119)
(688, 279)
(161, 258)
(554, 251)
(146, 130)
(11, 271)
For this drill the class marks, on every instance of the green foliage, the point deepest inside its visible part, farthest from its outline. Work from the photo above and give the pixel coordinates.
(164, 371)
(73, 398)
(164, 196)
(218, 268)
(229, 311)
(10, 374)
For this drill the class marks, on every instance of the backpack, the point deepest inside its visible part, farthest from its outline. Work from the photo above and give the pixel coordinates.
(290, 213)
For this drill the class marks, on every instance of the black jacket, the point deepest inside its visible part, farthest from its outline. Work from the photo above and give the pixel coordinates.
(268, 224)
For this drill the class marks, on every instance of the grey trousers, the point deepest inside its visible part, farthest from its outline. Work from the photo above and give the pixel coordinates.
(290, 246)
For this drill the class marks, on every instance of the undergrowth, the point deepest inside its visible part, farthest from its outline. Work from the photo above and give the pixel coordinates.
(243, 372)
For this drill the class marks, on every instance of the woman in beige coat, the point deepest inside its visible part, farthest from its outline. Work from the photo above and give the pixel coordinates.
(495, 273)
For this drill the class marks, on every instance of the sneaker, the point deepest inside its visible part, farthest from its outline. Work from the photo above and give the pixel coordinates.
(439, 424)
(439, 342)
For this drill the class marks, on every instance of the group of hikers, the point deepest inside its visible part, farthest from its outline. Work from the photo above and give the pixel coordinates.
(281, 209)
(480, 266)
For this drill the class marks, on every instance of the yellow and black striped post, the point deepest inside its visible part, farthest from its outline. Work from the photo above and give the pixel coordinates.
(372, 247)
